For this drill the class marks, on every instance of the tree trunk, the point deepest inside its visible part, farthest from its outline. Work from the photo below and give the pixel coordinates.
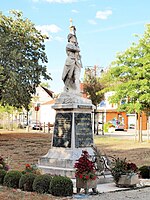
(27, 117)
(148, 127)
(136, 128)
(139, 127)
(12, 121)
(141, 134)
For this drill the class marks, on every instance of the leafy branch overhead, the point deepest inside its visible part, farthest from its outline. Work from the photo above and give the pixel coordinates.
(22, 60)
(129, 76)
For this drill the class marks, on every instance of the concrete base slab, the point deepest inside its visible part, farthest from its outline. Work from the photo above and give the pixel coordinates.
(110, 187)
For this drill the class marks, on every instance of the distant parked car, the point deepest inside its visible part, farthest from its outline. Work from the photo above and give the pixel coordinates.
(35, 125)
(22, 124)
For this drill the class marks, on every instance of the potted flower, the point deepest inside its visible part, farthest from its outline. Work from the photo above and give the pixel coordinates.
(3, 164)
(31, 169)
(85, 173)
(125, 173)
(4, 167)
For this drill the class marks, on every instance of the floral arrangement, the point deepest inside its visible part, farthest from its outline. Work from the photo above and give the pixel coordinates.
(3, 164)
(85, 168)
(122, 167)
(31, 168)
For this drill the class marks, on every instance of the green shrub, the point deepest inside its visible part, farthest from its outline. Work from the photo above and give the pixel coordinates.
(61, 186)
(26, 182)
(2, 175)
(41, 183)
(145, 171)
(12, 178)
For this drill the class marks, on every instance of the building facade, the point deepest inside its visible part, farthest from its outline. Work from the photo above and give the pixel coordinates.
(109, 110)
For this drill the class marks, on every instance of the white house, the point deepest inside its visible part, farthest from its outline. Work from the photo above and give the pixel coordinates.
(47, 113)
(43, 99)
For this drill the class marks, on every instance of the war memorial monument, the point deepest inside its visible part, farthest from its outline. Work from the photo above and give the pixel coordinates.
(73, 120)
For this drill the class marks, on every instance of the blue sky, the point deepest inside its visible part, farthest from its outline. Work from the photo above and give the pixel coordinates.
(104, 27)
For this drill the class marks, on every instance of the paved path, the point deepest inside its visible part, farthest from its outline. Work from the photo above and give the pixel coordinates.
(135, 194)
(109, 191)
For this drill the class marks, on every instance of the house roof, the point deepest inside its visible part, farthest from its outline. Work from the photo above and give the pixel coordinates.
(49, 102)
(48, 91)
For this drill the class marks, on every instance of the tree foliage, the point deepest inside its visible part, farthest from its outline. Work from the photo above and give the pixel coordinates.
(92, 85)
(129, 76)
(22, 59)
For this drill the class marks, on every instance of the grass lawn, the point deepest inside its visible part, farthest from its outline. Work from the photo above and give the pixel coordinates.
(136, 152)
(21, 148)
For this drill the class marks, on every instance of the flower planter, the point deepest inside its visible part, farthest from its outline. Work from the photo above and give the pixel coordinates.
(86, 185)
(128, 180)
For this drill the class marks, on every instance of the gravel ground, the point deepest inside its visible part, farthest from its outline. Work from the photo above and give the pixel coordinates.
(142, 194)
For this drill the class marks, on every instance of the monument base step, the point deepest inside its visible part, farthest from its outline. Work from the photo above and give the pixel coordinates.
(61, 161)
(105, 179)
(55, 162)
(69, 172)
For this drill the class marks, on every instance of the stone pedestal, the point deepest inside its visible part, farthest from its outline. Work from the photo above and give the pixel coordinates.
(72, 134)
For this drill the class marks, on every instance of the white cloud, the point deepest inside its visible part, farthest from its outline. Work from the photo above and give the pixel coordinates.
(74, 11)
(103, 14)
(46, 29)
(91, 21)
(60, 1)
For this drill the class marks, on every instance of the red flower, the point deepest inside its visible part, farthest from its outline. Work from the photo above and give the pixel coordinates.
(81, 176)
(94, 178)
(85, 168)
(27, 165)
(132, 166)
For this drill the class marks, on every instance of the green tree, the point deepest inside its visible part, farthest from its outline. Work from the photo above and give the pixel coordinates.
(91, 86)
(45, 84)
(22, 60)
(129, 77)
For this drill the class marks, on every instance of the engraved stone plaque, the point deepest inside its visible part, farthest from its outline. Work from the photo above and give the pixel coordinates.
(62, 130)
(83, 130)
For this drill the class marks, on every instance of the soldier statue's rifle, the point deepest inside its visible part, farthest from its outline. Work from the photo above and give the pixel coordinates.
(73, 31)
